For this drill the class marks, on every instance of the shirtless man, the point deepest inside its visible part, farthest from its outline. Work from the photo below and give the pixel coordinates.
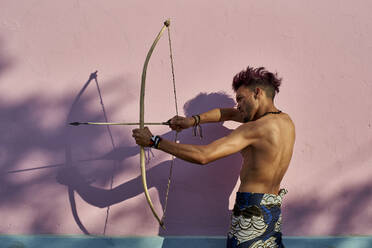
(265, 140)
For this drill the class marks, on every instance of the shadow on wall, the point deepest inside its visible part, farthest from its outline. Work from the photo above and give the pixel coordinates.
(6, 61)
(23, 133)
(199, 196)
(343, 213)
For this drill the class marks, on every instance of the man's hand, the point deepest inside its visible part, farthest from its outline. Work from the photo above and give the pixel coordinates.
(179, 123)
(142, 136)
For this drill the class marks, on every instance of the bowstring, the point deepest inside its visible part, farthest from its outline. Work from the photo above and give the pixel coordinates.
(176, 135)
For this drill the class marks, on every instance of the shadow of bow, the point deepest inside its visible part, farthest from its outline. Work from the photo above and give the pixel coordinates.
(199, 195)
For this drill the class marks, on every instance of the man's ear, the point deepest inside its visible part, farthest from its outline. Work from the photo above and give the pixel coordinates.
(257, 91)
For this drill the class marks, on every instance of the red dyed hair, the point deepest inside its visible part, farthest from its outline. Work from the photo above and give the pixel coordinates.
(258, 77)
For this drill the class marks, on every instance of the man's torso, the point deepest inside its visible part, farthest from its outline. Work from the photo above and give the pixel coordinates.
(266, 161)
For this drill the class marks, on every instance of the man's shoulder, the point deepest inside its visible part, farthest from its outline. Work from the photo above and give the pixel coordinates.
(271, 124)
(287, 120)
(268, 123)
(273, 120)
(257, 128)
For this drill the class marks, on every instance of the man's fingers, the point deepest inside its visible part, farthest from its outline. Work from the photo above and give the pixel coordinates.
(174, 119)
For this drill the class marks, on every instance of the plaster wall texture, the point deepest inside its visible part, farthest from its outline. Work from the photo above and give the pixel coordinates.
(321, 49)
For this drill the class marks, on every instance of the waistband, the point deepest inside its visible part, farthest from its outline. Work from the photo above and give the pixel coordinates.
(246, 199)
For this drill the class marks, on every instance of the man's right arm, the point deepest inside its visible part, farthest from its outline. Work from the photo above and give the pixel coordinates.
(214, 115)
(231, 114)
(221, 114)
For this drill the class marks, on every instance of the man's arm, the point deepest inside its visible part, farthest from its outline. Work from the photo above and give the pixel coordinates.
(231, 114)
(221, 114)
(245, 135)
(215, 115)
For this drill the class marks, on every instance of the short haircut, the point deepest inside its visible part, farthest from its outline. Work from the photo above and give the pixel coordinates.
(258, 77)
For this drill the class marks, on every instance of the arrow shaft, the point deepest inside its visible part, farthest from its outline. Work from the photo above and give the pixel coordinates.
(117, 123)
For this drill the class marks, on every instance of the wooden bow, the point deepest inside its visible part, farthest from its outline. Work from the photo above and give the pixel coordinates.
(142, 121)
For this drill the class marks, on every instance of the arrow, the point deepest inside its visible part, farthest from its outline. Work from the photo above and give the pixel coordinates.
(117, 123)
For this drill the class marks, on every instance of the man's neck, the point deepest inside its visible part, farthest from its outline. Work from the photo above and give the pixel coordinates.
(269, 107)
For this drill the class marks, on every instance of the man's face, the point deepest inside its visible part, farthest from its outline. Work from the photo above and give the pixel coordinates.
(247, 104)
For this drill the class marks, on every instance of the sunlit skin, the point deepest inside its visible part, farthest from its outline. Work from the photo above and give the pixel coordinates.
(266, 143)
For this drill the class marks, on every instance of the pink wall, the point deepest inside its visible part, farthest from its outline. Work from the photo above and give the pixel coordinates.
(322, 49)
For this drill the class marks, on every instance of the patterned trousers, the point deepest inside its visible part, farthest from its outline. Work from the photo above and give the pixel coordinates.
(256, 220)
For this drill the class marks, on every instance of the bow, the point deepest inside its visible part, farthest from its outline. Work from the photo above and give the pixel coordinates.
(141, 117)
(141, 124)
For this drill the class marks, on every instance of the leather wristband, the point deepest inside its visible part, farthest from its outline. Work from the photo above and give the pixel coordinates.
(155, 140)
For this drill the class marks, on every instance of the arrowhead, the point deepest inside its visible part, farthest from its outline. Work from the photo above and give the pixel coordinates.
(74, 123)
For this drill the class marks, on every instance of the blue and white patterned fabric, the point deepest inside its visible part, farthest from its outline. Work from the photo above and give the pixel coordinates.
(256, 220)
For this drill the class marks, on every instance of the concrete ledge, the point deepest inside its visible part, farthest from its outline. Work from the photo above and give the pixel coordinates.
(67, 241)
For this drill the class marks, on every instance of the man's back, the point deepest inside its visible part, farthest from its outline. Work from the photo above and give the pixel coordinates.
(266, 161)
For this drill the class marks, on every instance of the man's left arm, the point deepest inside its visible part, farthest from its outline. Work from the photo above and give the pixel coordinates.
(243, 136)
